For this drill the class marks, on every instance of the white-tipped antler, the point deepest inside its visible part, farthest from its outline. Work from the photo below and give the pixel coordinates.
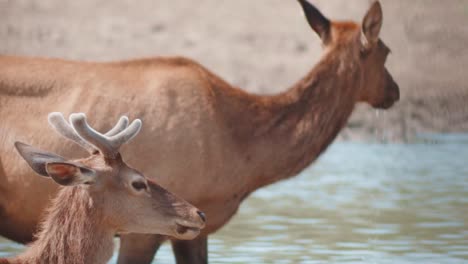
(58, 122)
(81, 133)
(121, 125)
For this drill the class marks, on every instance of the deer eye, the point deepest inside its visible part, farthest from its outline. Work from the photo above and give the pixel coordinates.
(139, 185)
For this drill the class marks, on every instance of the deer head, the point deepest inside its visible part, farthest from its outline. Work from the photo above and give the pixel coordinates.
(378, 87)
(129, 201)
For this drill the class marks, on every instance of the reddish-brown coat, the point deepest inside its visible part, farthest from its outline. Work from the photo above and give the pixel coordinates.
(204, 133)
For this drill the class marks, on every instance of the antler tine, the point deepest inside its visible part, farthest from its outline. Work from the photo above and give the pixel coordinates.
(119, 127)
(107, 145)
(79, 123)
(58, 122)
(126, 135)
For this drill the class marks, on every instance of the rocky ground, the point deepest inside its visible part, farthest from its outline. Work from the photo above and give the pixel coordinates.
(263, 46)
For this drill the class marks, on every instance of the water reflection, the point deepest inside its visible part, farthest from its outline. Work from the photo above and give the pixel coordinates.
(360, 203)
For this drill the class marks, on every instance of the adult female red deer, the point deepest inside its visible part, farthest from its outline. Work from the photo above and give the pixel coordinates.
(101, 196)
(207, 141)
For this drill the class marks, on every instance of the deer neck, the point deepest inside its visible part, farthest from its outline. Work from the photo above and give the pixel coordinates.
(70, 233)
(295, 127)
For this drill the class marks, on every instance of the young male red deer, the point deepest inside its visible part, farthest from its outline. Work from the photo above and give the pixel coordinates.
(216, 143)
(102, 196)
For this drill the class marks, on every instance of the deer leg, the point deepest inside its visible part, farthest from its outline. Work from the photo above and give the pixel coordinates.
(138, 248)
(191, 251)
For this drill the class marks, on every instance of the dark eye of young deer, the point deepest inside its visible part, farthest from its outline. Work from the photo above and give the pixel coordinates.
(139, 185)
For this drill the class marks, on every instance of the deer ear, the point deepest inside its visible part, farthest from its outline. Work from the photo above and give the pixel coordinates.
(51, 165)
(37, 158)
(319, 23)
(67, 174)
(372, 24)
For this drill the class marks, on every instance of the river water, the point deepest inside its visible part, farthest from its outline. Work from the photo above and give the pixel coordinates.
(359, 203)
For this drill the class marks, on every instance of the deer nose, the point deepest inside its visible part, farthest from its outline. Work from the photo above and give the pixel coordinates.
(202, 215)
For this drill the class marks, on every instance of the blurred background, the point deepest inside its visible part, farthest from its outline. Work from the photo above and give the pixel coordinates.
(262, 46)
(403, 194)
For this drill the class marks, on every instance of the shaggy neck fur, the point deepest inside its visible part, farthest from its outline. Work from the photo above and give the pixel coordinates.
(73, 232)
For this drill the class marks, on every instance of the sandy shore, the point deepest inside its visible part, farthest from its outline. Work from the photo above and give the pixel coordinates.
(263, 46)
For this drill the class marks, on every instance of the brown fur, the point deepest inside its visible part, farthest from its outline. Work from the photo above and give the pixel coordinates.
(220, 140)
(74, 232)
(103, 196)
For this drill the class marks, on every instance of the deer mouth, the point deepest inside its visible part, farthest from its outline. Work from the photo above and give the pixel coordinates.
(185, 230)
(386, 105)
(389, 101)
(393, 95)
(181, 229)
